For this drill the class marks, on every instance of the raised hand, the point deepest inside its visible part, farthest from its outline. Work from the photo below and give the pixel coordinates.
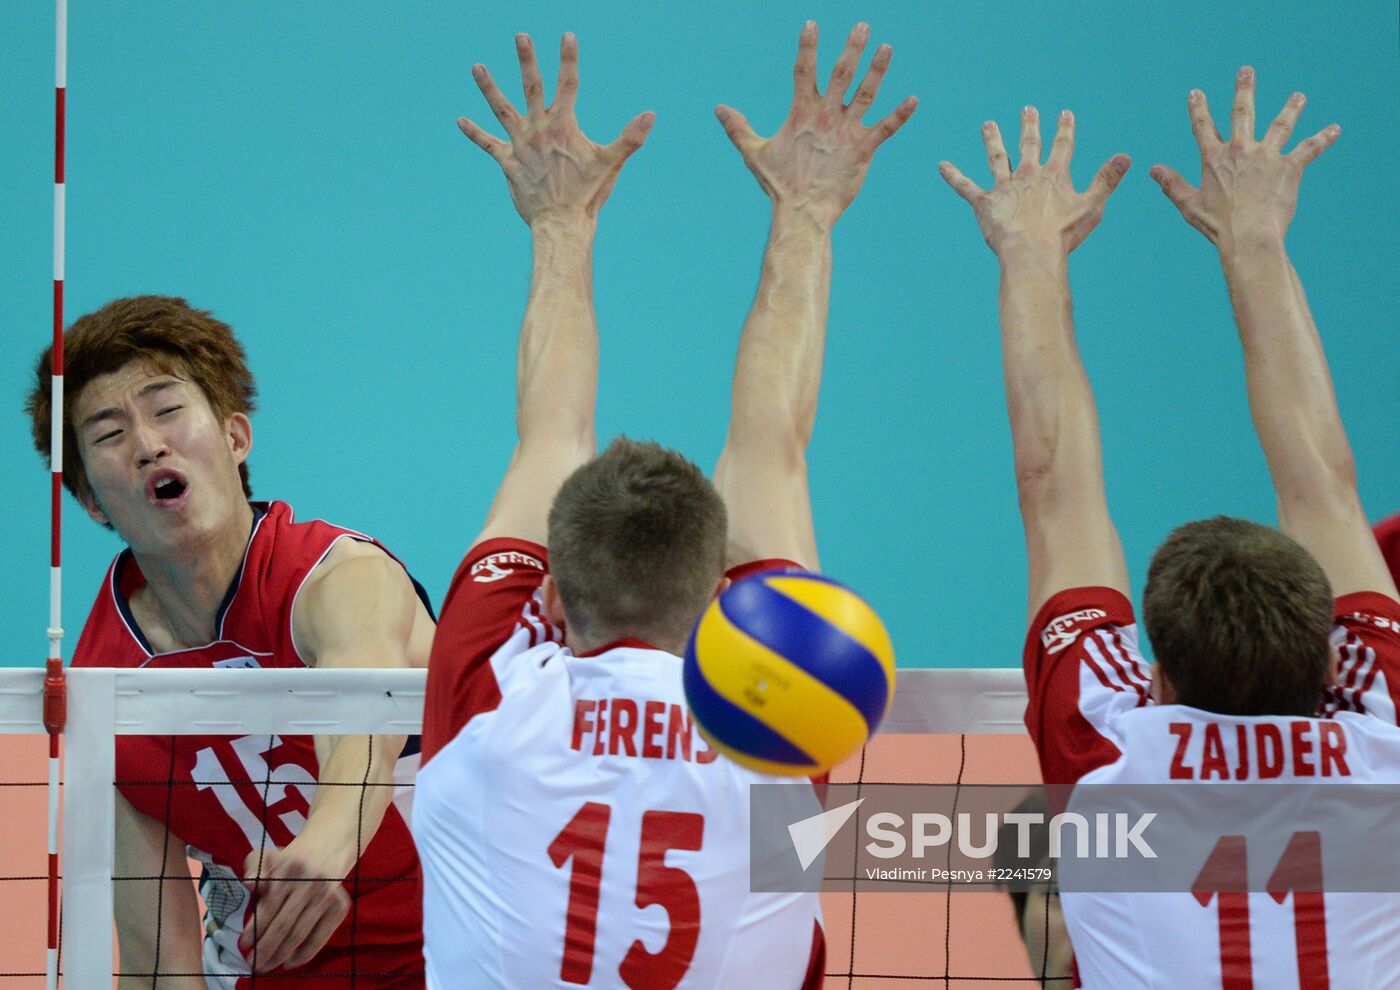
(1036, 205)
(817, 160)
(553, 170)
(1249, 188)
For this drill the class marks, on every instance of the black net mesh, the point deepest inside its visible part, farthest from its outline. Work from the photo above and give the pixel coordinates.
(225, 892)
(950, 936)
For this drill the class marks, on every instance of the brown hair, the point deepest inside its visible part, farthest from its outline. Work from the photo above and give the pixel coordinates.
(163, 330)
(1239, 616)
(636, 543)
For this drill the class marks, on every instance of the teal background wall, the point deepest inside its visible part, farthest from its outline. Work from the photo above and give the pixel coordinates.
(296, 169)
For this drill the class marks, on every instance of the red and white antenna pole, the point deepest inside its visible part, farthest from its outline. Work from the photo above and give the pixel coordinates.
(55, 690)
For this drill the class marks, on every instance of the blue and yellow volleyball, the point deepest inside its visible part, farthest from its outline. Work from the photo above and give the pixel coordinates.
(789, 673)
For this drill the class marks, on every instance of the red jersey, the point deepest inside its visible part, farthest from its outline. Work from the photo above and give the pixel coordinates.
(1388, 536)
(226, 796)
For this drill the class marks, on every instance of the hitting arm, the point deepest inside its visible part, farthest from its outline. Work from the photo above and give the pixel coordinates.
(811, 170)
(1245, 203)
(559, 181)
(1032, 218)
(358, 609)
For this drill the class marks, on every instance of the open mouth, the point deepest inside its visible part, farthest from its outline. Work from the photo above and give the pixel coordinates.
(167, 488)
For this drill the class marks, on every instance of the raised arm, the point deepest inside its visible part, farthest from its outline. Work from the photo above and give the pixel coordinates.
(811, 170)
(1032, 218)
(559, 181)
(1246, 200)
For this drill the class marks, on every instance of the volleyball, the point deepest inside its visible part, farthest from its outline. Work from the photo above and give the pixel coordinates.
(788, 673)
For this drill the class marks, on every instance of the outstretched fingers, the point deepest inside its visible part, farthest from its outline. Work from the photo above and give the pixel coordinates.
(1282, 127)
(1108, 178)
(804, 74)
(1177, 189)
(1030, 137)
(1062, 150)
(736, 127)
(996, 151)
(1202, 125)
(845, 69)
(631, 138)
(869, 87)
(500, 106)
(888, 125)
(961, 184)
(488, 143)
(1308, 150)
(1242, 110)
(566, 91)
(530, 74)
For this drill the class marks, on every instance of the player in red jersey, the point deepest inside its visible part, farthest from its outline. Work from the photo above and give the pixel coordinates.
(574, 829)
(1388, 536)
(156, 442)
(1240, 615)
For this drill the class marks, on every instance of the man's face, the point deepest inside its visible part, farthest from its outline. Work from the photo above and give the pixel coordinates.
(162, 466)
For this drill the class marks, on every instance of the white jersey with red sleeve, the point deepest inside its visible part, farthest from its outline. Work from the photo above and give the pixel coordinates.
(1093, 722)
(226, 796)
(575, 829)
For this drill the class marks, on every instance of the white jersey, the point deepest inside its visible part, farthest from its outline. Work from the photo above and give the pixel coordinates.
(1094, 723)
(574, 828)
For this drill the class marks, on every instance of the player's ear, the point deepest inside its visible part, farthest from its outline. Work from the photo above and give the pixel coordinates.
(1334, 666)
(553, 604)
(89, 503)
(1162, 691)
(239, 429)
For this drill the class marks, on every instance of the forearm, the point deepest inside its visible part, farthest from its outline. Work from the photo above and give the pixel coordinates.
(1070, 539)
(138, 923)
(188, 980)
(147, 982)
(1291, 396)
(557, 367)
(1054, 426)
(146, 911)
(355, 786)
(778, 374)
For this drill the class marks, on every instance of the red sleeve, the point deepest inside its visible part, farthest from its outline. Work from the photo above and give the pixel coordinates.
(493, 594)
(1388, 536)
(1082, 669)
(741, 571)
(1367, 639)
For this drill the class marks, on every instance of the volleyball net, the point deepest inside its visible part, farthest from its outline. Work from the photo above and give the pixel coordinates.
(949, 728)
